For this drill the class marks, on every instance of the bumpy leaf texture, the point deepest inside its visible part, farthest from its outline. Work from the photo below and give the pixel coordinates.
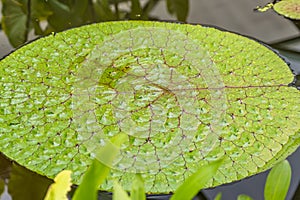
(185, 95)
(288, 8)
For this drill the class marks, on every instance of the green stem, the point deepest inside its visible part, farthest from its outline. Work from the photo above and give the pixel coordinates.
(148, 7)
(28, 19)
(117, 10)
(92, 10)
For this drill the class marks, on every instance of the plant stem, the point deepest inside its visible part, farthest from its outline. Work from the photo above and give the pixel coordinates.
(148, 7)
(117, 10)
(28, 20)
(92, 10)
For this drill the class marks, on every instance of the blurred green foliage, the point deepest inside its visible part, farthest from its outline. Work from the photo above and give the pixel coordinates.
(47, 16)
(276, 187)
(278, 181)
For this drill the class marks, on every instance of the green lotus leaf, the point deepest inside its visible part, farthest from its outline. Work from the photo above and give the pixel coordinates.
(288, 8)
(185, 95)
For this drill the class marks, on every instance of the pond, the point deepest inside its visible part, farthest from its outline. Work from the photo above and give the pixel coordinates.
(23, 184)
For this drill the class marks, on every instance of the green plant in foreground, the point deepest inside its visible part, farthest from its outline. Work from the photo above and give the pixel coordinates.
(184, 96)
(61, 186)
(276, 187)
(278, 181)
(97, 173)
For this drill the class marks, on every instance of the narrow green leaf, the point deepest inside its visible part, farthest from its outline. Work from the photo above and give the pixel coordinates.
(244, 197)
(116, 1)
(136, 9)
(218, 197)
(103, 11)
(61, 186)
(119, 193)
(92, 179)
(148, 7)
(278, 181)
(178, 7)
(193, 184)
(98, 171)
(14, 21)
(138, 188)
(80, 13)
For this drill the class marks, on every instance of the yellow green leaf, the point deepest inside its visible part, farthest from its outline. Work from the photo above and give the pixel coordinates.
(138, 188)
(61, 186)
(278, 181)
(218, 197)
(119, 193)
(193, 184)
(99, 169)
(244, 197)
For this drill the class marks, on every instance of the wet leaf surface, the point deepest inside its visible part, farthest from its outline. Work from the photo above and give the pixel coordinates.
(185, 95)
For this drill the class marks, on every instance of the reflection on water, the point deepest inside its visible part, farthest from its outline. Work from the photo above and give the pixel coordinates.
(30, 184)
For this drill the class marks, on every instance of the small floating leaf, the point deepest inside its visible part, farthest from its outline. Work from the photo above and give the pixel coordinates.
(288, 8)
(264, 8)
(61, 186)
(278, 181)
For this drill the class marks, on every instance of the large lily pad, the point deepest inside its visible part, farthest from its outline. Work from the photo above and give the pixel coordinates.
(185, 95)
